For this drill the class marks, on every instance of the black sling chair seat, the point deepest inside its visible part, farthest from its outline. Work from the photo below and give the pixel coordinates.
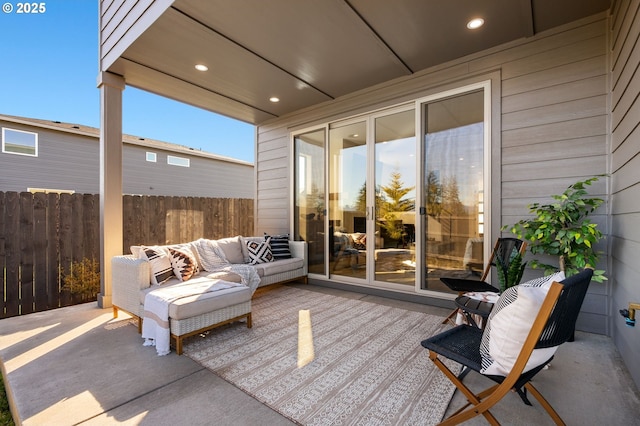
(553, 326)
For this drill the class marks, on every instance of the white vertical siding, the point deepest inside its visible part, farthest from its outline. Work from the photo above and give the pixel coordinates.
(625, 171)
(553, 127)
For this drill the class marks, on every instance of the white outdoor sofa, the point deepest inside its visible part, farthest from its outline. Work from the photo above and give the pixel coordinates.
(194, 314)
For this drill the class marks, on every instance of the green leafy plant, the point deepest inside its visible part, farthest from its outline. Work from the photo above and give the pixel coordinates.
(562, 229)
(510, 275)
(83, 279)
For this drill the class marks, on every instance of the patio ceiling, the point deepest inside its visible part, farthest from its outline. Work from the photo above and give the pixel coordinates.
(306, 52)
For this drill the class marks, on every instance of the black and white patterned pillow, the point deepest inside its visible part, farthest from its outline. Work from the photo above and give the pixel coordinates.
(159, 262)
(509, 324)
(259, 252)
(183, 263)
(279, 246)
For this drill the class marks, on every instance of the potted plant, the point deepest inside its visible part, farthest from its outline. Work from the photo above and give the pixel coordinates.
(510, 275)
(563, 229)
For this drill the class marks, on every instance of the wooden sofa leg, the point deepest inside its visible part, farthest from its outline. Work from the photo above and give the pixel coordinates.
(115, 312)
(249, 323)
(179, 345)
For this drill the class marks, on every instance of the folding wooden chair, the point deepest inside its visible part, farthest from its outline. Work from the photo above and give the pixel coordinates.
(504, 249)
(553, 326)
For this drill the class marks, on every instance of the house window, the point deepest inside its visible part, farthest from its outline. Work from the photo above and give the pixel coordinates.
(19, 142)
(178, 161)
(152, 157)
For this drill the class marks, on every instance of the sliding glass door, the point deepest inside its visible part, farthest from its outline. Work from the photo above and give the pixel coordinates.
(395, 203)
(382, 207)
(348, 205)
(454, 154)
(309, 196)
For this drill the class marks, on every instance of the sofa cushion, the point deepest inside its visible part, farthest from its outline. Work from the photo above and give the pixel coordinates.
(211, 255)
(225, 276)
(159, 263)
(279, 246)
(187, 307)
(183, 263)
(259, 252)
(196, 278)
(283, 265)
(136, 251)
(232, 249)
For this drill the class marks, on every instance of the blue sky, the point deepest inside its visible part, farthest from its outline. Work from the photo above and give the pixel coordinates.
(49, 68)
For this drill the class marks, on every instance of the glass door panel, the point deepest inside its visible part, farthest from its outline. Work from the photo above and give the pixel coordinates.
(348, 200)
(309, 197)
(454, 188)
(395, 183)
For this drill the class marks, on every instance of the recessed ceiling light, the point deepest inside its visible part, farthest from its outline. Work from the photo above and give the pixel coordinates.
(274, 99)
(475, 23)
(202, 67)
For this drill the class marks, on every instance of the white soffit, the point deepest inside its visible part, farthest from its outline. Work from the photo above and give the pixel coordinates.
(306, 52)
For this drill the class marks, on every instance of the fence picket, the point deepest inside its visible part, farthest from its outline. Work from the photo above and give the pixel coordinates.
(66, 243)
(91, 219)
(77, 229)
(40, 251)
(2, 250)
(26, 253)
(53, 250)
(12, 255)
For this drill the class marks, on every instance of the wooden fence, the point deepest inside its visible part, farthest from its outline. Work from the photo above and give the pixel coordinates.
(41, 235)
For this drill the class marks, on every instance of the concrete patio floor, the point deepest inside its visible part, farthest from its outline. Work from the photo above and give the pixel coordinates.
(78, 365)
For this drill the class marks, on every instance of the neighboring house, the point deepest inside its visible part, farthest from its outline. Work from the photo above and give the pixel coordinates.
(478, 124)
(40, 155)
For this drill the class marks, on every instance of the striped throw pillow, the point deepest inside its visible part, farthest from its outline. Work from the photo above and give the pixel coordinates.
(279, 246)
(509, 324)
(159, 262)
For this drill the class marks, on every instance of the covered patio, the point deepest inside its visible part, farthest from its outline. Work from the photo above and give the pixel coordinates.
(560, 99)
(78, 365)
(561, 82)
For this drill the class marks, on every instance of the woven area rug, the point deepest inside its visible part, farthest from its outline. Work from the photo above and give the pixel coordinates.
(369, 367)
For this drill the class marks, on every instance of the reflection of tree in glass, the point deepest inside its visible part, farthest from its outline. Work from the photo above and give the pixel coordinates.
(443, 197)
(391, 200)
(451, 196)
(434, 196)
(316, 199)
(361, 202)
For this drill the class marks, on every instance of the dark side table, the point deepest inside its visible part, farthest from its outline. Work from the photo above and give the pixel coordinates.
(470, 306)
